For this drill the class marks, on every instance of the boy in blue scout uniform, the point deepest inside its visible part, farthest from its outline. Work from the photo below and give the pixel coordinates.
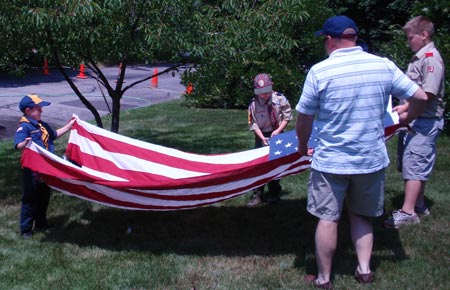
(36, 194)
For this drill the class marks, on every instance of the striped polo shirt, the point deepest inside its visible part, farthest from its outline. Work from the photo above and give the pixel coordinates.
(349, 92)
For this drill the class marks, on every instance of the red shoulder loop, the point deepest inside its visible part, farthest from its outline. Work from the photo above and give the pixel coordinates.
(429, 54)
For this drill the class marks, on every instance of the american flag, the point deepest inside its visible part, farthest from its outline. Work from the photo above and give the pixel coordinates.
(118, 171)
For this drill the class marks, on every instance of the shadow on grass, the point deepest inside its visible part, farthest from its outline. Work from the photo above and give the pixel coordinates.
(397, 200)
(266, 230)
(284, 228)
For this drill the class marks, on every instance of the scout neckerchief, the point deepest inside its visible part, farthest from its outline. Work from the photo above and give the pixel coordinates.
(273, 116)
(272, 110)
(44, 136)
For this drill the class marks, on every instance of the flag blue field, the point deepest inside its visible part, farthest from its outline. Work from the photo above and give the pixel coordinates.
(283, 144)
(286, 143)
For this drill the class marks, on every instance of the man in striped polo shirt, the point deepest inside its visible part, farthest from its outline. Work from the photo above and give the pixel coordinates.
(347, 94)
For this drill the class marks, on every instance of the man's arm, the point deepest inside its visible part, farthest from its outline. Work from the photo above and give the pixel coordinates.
(303, 128)
(416, 106)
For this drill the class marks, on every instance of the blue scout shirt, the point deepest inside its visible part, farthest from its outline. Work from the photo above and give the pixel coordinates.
(40, 132)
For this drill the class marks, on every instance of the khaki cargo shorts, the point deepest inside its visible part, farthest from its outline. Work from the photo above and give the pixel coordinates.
(363, 193)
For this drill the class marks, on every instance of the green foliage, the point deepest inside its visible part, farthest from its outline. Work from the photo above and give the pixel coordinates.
(239, 39)
(104, 31)
(16, 43)
(375, 18)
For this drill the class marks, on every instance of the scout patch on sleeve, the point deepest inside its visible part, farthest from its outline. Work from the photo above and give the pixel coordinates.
(430, 68)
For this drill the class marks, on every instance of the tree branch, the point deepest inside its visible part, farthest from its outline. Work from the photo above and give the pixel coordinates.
(174, 67)
(85, 101)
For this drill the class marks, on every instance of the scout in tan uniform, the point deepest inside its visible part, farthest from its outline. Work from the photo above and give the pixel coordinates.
(417, 147)
(268, 115)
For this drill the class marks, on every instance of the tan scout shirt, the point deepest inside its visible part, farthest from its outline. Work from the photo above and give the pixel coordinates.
(267, 115)
(427, 70)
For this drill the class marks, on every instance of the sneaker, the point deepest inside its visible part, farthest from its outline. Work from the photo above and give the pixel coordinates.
(400, 218)
(256, 200)
(422, 211)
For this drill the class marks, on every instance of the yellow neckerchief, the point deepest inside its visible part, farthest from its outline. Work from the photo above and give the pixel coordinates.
(44, 136)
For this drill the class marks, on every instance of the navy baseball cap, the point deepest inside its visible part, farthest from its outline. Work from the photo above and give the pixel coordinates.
(336, 25)
(29, 101)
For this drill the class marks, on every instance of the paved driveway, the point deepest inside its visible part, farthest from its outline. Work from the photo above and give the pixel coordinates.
(55, 89)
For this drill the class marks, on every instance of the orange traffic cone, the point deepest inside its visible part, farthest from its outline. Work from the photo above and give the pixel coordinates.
(118, 75)
(46, 72)
(189, 89)
(81, 75)
(155, 78)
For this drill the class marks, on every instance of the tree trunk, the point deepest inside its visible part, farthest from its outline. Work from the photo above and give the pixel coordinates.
(115, 112)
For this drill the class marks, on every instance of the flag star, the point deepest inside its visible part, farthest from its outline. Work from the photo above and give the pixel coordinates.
(277, 152)
(279, 141)
(288, 145)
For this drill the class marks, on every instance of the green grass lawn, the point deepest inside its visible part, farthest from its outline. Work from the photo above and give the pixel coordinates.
(223, 246)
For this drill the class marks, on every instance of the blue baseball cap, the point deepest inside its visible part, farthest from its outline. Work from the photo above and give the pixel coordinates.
(336, 25)
(29, 101)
